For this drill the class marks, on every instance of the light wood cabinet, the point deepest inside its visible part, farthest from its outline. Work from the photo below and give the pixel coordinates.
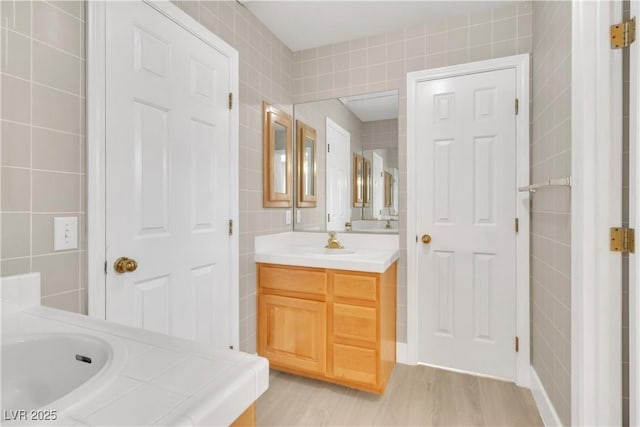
(334, 325)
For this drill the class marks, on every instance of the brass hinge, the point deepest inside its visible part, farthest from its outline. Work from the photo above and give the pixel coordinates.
(516, 106)
(517, 225)
(328, 217)
(517, 344)
(230, 227)
(623, 34)
(105, 267)
(230, 100)
(622, 240)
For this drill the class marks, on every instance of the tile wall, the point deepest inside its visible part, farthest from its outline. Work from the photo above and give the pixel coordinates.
(380, 62)
(42, 133)
(551, 210)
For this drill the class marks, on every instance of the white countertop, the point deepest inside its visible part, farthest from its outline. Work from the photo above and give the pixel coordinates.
(372, 253)
(165, 380)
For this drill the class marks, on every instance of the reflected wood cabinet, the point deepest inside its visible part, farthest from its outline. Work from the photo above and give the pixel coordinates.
(334, 325)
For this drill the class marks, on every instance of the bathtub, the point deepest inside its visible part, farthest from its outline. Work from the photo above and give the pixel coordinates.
(64, 369)
(42, 373)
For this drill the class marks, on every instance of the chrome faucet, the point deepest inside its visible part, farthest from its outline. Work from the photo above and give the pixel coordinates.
(333, 242)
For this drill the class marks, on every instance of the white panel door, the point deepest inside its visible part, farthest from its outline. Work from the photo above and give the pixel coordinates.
(338, 173)
(466, 203)
(167, 172)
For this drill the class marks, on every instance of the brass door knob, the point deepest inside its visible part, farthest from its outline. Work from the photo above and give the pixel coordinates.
(426, 239)
(125, 265)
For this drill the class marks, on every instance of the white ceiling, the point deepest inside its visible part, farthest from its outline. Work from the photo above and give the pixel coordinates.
(373, 106)
(304, 24)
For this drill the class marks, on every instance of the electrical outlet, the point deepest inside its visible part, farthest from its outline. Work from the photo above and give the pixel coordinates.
(287, 217)
(65, 233)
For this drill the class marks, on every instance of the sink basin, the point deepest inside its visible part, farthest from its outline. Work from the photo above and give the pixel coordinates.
(327, 251)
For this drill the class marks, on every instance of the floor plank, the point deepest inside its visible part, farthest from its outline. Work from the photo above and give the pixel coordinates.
(415, 396)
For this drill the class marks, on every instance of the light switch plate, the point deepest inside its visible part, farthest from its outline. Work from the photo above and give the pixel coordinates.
(287, 217)
(298, 216)
(65, 233)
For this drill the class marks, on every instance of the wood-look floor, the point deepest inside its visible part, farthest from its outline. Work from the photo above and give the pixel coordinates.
(415, 396)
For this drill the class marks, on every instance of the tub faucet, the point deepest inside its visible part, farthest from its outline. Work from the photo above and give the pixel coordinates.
(333, 242)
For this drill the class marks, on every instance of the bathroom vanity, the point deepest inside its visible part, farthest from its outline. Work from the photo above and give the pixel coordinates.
(329, 315)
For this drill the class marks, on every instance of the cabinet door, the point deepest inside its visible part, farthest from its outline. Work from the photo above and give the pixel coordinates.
(292, 333)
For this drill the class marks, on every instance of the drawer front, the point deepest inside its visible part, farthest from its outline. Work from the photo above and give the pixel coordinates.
(354, 364)
(293, 279)
(354, 286)
(354, 322)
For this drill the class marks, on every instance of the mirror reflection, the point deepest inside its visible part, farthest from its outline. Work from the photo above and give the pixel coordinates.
(280, 159)
(356, 163)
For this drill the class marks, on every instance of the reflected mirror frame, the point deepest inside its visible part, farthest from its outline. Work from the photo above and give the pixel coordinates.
(367, 183)
(305, 200)
(358, 188)
(270, 116)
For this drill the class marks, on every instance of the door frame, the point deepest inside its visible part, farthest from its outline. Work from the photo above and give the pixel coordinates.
(521, 64)
(596, 205)
(634, 218)
(96, 150)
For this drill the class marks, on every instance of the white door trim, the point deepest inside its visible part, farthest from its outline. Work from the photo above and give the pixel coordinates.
(596, 164)
(96, 180)
(634, 217)
(521, 64)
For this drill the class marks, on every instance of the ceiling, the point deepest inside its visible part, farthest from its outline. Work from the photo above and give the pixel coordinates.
(373, 106)
(305, 24)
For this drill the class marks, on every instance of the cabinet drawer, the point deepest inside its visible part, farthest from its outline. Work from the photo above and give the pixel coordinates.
(354, 363)
(354, 286)
(354, 322)
(293, 279)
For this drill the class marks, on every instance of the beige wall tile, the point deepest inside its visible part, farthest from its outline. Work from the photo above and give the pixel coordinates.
(505, 29)
(16, 15)
(59, 272)
(55, 68)
(56, 110)
(42, 239)
(16, 186)
(56, 192)
(16, 59)
(11, 267)
(16, 99)
(72, 7)
(56, 151)
(16, 235)
(16, 144)
(56, 28)
(69, 301)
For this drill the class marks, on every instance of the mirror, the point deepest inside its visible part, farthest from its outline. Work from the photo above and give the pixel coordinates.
(306, 163)
(356, 143)
(276, 141)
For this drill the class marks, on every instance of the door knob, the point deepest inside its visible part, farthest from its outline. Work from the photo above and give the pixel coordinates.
(426, 239)
(125, 265)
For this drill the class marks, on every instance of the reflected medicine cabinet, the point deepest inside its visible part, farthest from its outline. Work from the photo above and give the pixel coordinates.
(306, 149)
(277, 148)
(358, 181)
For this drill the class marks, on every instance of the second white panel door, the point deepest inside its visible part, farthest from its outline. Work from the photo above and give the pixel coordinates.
(466, 204)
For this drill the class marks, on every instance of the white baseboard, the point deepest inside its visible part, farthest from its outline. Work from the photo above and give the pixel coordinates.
(401, 353)
(545, 407)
